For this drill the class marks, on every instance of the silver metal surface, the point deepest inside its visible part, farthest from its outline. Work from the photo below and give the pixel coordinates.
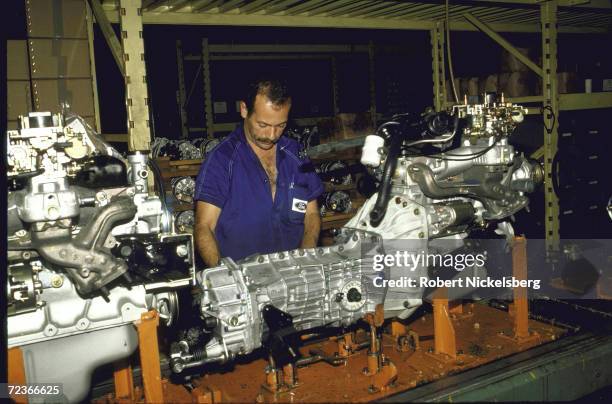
(309, 285)
(74, 359)
(66, 313)
(62, 256)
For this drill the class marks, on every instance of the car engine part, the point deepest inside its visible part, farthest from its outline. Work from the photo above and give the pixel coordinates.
(183, 188)
(305, 136)
(337, 171)
(185, 221)
(442, 175)
(192, 149)
(317, 287)
(336, 201)
(87, 250)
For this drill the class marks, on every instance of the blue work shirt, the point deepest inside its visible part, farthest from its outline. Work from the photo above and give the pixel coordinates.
(233, 179)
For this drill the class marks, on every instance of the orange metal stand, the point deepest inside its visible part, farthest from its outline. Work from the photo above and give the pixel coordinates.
(124, 383)
(444, 332)
(205, 395)
(290, 375)
(347, 345)
(520, 307)
(381, 370)
(149, 357)
(16, 372)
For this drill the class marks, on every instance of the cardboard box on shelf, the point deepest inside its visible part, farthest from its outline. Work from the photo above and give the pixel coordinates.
(516, 84)
(345, 126)
(488, 84)
(509, 62)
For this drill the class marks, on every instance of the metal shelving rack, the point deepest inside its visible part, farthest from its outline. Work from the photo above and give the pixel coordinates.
(489, 16)
(215, 52)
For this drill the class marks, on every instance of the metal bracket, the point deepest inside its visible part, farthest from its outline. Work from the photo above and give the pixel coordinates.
(109, 34)
(503, 43)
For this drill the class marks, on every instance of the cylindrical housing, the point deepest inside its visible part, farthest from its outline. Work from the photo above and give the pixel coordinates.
(370, 155)
(138, 170)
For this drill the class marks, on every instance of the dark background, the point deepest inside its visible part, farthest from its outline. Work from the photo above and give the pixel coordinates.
(403, 83)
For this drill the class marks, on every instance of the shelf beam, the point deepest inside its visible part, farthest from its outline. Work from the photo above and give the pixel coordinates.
(503, 43)
(577, 101)
(136, 93)
(208, 104)
(548, 15)
(182, 93)
(438, 67)
(108, 33)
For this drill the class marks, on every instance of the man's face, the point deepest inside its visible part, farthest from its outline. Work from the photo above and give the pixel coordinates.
(266, 123)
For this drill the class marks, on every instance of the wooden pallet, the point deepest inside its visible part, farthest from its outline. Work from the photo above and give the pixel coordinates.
(178, 168)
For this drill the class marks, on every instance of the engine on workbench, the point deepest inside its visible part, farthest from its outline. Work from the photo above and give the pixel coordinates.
(441, 175)
(90, 250)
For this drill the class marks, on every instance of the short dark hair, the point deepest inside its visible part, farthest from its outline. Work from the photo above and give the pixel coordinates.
(273, 87)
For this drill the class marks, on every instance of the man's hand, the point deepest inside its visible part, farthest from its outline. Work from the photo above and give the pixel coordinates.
(204, 233)
(312, 225)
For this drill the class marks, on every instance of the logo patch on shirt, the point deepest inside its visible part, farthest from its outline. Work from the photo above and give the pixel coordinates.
(299, 205)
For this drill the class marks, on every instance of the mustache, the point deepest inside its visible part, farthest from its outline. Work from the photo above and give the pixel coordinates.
(265, 141)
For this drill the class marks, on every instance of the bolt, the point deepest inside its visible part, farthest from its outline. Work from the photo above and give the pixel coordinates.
(57, 281)
(85, 272)
(20, 233)
(26, 255)
(398, 200)
(417, 212)
(126, 251)
(101, 196)
(181, 250)
(83, 324)
(421, 235)
(63, 253)
(52, 213)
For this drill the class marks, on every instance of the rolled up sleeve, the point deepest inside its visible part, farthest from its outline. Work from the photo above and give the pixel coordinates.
(213, 181)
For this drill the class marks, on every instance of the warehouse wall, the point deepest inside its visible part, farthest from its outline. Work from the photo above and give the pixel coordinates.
(403, 80)
(48, 62)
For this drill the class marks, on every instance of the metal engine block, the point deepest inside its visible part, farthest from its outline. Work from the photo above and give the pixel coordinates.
(428, 201)
(327, 286)
(87, 251)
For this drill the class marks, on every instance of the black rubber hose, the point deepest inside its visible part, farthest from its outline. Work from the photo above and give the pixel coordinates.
(382, 199)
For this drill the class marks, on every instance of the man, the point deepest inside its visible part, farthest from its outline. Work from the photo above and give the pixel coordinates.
(254, 193)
